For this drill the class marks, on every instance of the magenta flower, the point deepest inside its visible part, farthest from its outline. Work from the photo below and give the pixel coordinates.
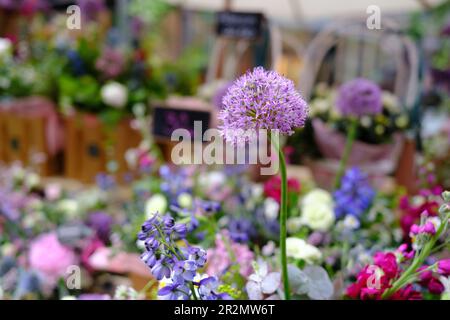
(359, 97)
(444, 267)
(261, 99)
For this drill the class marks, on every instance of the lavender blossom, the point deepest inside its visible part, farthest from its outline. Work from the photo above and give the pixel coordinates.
(359, 97)
(261, 99)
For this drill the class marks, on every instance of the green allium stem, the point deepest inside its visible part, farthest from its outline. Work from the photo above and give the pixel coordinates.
(348, 148)
(283, 219)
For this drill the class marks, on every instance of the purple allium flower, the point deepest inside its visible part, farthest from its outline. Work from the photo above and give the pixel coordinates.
(101, 222)
(354, 196)
(261, 99)
(359, 97)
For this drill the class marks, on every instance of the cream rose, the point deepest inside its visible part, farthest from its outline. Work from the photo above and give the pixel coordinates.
(298, 249)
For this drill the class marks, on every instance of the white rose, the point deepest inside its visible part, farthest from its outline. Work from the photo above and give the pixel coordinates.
(156, 203)
(298, 249)
(114, 94)
(317, 196)
(271, 208)
(318, 216)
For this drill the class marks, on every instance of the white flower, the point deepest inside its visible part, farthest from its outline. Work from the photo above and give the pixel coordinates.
(350, 222)
(213, 179)
(318, 216)
(298, 249)
(271, 208)
(262, 282)
(257, 190)
(32, 180)
(366, 121)
(156, 203)
(185, 200)
(317, 196)
(114, 94)
(317, 210)
(69, 207)
(294, 224)
(5, 47)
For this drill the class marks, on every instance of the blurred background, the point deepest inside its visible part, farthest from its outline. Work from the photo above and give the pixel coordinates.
(91, 91)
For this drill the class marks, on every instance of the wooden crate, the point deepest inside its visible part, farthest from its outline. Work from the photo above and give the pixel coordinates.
(17, 138)
(90, 145)
(3, 138)
(93, 149)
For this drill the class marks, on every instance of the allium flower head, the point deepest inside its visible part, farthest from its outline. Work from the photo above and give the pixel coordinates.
(359, 97)
(261, 99)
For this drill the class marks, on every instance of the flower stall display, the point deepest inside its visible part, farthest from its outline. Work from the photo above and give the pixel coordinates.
(370, 136)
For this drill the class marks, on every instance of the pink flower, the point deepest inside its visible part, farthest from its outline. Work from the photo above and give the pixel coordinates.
(219, 259)
(49, 257)
(435, 286)
(387, 262)
(88, 251)
(444, 267)
(429, 228)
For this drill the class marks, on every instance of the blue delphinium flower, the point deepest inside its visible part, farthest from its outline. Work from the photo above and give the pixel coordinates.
(174, 183)
(105, 181)
(168, 261)
(208, 290)
(241, 229)
(354, 196)
(76, 63)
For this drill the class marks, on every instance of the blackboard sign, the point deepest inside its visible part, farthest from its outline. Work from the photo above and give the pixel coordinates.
(166, 120)
(239, 24)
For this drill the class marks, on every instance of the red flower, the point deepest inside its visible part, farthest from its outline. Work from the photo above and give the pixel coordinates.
(272, 187)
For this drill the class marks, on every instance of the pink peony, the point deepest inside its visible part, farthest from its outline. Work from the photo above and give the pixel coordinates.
(49, 257)
(219, 259)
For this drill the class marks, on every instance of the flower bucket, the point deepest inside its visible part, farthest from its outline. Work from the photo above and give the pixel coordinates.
(376, 160)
